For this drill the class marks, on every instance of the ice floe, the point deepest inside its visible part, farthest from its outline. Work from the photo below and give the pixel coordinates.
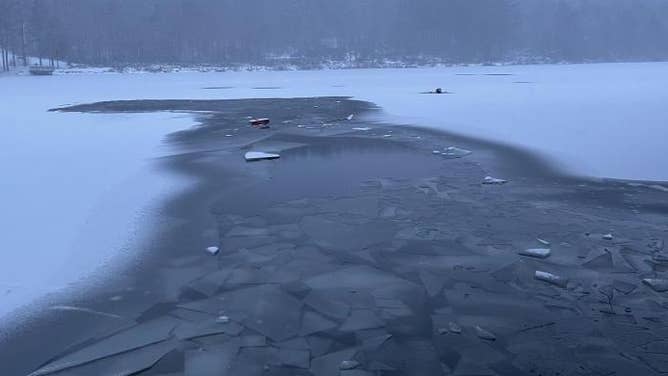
(453, 152)
(493, 181)
(259, 155)
(551, 278)
(536, 252)
(657, 284)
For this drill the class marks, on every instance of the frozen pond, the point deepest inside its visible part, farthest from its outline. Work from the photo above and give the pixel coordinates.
(78, 190)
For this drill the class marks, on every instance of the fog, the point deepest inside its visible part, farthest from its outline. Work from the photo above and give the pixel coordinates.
(308, 33)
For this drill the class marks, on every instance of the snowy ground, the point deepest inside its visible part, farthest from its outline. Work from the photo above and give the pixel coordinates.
(76, 188)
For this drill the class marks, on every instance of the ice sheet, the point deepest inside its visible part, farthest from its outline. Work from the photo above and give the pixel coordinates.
(69, 189)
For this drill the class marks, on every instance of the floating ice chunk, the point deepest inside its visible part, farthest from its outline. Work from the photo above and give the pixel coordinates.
(454, 328)
(551, 278)
(259, 155)
(348, 364)
(658, 285)
(493, 181)
(213, 250)
(484, 334)
(387, 135)
(453, 152)
(536, 252)
(436, 152)
(608, 237)
(350, 117)
(543, 242)
(229, 135)
(361, 129)
(223, 319)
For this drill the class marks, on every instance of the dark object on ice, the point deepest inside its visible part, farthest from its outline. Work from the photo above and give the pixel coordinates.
(261, 123)
(438, 90)
(39, 70)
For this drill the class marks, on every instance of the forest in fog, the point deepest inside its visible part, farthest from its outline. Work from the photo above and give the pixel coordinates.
(303, 32)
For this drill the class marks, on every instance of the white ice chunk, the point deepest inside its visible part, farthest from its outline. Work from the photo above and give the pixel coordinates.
(361, 129)
(350, 117)
(551, 278)
(455, 152)
(490, 180)
(608, 237)
(536, 252)
(213, 250)
(259, 155)
(542, 241)
(658, 285)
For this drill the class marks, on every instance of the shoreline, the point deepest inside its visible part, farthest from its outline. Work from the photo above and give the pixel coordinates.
(199, 219)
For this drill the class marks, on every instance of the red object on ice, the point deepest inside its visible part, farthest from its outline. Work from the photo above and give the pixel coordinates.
(260, 123)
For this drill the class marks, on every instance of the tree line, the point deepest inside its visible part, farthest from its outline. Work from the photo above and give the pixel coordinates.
(225, 32)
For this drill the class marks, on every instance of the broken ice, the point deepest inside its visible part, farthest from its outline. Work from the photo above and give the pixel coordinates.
(259, 155)
(490, 180)
(213, 250)
(484, 334)
(551, 278)
(658, 285)
(536, 252)
(453, 152)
